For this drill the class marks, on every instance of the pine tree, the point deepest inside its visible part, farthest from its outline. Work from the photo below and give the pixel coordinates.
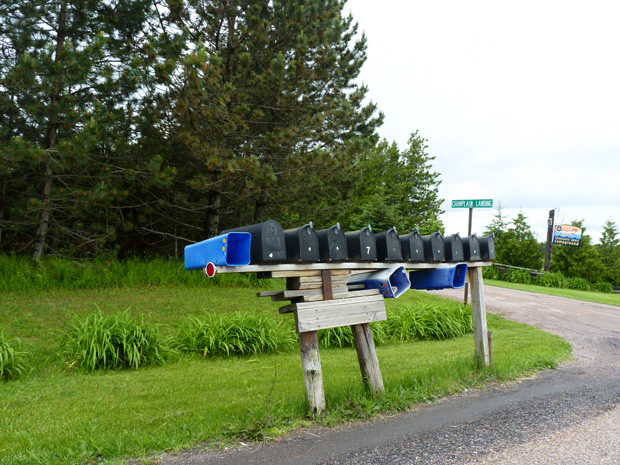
(70, 78)
(265, 109)
(609, 250)
(397, 189)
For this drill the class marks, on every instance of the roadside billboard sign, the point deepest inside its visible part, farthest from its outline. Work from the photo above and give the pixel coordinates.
(566, 234)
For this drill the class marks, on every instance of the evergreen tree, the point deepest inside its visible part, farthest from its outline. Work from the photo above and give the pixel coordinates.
(515, 243)
(397, 188)
(70, 76)
(266, 114)
(498, 225)
(519, 247)
(609, 250)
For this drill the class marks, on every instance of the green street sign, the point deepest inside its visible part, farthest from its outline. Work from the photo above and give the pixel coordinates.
(474, 203)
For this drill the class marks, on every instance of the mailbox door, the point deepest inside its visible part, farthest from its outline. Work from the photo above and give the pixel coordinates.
(434, 248)
(471, 248)
(454, 248)
(302, 244)
(362, 245)
(487, 247)
(388, 246)
(332, 244)
(412, 247)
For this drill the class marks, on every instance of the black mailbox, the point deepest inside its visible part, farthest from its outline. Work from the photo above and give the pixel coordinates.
(454, 248)
(487, 247)
(362, 245)
(302, 244)
(267, 244)
(434, 248)
(388, 246)
(332, 244)
(412, 247)
(471, 248)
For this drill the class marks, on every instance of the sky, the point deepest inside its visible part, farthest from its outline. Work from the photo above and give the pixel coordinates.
(519, 102)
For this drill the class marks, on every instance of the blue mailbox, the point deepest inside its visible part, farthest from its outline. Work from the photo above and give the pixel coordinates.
(392, 282)
(439, 278)
(232, 249)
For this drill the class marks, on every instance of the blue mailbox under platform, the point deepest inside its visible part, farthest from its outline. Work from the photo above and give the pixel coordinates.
(232, 249)
(439, 278)
(392, 282)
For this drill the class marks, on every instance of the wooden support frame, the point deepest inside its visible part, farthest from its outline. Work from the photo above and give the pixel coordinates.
(312, 372)
(321, 299)
(479, 315)
(367, 357)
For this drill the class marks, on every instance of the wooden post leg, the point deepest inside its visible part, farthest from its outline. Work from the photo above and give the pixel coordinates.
(479, 315)
(367, 357)
(313, 375)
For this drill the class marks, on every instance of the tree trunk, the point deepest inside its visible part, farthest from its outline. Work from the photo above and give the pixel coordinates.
(2, 207)
(44, 215)
(259, 209)
(212, 221)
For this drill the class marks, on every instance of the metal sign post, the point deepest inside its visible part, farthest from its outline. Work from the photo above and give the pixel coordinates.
(471, 204)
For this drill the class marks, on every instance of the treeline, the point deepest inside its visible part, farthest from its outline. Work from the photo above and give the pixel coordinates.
(138, 126)
(593, 263)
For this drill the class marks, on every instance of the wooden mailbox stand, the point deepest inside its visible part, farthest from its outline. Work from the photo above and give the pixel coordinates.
(320, 299)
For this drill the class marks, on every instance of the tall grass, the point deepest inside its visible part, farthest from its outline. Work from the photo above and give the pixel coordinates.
(19, 273)
(14, 360)
(234, 334)
(113, 341)
(428, 321)
(413, 322)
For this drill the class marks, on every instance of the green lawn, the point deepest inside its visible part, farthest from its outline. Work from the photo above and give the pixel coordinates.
(57, 417)
(596, 297)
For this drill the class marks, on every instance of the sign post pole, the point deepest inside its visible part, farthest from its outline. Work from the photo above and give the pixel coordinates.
(549, 240)
(471, 204)
(466, 290)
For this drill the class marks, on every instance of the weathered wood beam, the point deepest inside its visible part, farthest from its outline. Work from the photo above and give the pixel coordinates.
(312, 372)
(479, 315)
(367, 356)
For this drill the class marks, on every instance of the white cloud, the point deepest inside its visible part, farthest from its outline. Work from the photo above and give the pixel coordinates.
(519, 102)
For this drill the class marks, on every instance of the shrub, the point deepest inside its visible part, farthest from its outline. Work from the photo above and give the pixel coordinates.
(113, 341)
(556, 280)
(14, 360)
(428, 321)
(579, 284)
(234, 334)
(490, 272)
(517, 276)
(607, 288)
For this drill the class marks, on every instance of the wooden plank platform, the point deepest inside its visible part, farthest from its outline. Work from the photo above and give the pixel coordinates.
(293, 269)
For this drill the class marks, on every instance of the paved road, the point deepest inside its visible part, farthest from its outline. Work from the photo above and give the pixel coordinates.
(566, 416)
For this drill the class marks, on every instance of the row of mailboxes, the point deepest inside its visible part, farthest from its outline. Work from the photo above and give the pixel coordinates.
(268, 243)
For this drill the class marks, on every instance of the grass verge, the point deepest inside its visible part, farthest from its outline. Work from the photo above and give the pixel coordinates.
(586, 296)
(55, 417)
